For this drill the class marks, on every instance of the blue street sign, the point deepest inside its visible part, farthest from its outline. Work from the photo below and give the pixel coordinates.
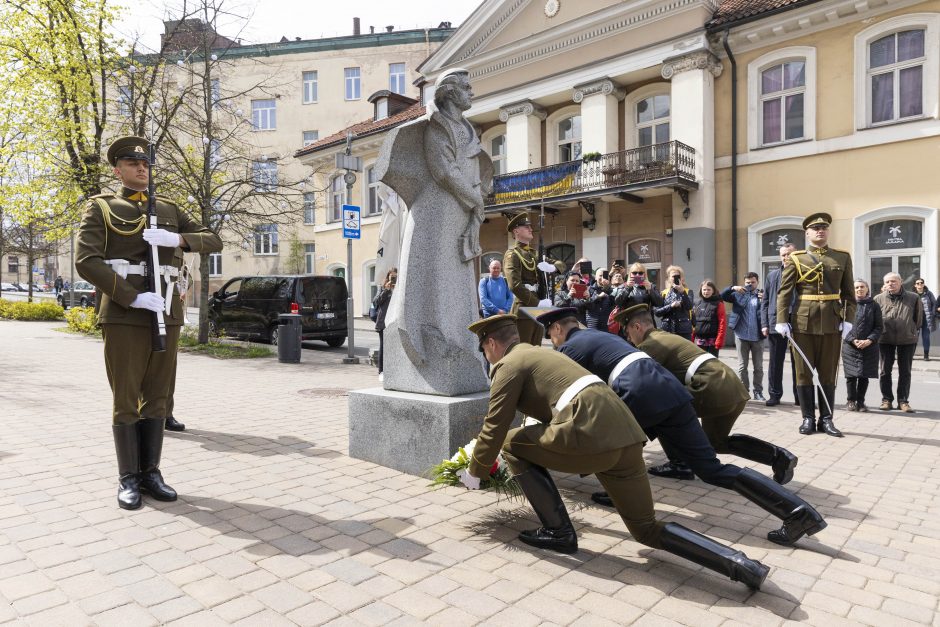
(351, 222)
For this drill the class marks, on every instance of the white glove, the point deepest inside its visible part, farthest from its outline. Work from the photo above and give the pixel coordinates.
(846, 328)
(162, 237)
(783, 328)
(149, 300)
(544, 266)
(545, 303)
(468, 480)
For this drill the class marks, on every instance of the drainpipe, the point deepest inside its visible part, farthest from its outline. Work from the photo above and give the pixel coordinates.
(734, 156)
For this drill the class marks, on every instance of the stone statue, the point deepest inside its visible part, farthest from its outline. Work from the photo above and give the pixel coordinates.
(438, 168)
(391, 231)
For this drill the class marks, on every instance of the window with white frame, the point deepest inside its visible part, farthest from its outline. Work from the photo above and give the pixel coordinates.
(498, 154)
(215, 152)
(215, 87)
(310, 261)
(309, 87)
(266, 239)
(264, 175)
(783, 88)
(215, 264)
(353, 84)
(264, 114)
(371, 288)
(310, 208)
(396, 78)
(373, 202)
(653, 115)
(337, 196)
(310, 137)
(13, 263)
(124, 100)
(569, 139)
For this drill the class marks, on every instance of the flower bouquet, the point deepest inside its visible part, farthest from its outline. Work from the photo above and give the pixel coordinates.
(499, 481)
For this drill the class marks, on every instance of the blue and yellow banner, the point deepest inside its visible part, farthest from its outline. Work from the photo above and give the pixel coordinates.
(545, 182)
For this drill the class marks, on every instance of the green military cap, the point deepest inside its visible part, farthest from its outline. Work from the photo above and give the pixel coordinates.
(624, 317)
(485, 327)
(546, 316)
(817, 218)
(129, 147)
(520, 219)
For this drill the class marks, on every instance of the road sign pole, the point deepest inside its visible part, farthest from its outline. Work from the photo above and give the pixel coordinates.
(350, 303)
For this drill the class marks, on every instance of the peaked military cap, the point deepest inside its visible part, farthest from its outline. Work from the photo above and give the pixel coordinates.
(520, 219)
(624, 317)
(817, 218)
(547, 316)
(485, 327)
(129, 147)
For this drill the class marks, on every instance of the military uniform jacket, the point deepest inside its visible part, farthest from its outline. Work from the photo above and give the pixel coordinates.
(531, 380)
(714, 385)
(648, 389)
(520, 268)
(97, 242)
(819, 283)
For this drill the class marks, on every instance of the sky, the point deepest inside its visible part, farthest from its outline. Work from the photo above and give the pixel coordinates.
(266, 21)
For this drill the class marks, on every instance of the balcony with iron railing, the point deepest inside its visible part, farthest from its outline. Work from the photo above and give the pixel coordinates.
(668, 165)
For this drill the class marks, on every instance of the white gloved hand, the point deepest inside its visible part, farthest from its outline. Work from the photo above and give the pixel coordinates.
(545, 303)
(544, 266)
(468, 480)
(846, 328)
(783, 328)
(162, 237)
(149, 300)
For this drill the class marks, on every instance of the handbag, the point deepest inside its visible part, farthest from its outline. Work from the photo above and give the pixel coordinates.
(373, 314)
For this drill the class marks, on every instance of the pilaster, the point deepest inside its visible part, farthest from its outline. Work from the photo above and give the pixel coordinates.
(523, 134)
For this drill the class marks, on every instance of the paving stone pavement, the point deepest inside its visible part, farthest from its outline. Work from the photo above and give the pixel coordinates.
(275, 524)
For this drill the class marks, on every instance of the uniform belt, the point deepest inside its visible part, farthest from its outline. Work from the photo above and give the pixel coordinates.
(622, 365)
(572, 390)
(696, 363)
(532, 287)
(819, 297)
(123, 267)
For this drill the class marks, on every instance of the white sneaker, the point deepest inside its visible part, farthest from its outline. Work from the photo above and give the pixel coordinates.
(381, 377)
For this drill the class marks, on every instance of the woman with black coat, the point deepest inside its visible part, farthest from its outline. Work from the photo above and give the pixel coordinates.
(382, 299)
(860, 347)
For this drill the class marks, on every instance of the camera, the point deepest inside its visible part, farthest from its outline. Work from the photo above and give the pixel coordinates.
(676, 280)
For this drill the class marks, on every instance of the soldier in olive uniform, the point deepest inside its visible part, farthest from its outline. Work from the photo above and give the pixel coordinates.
(113, 248)
(521, 268)
(819, 282)
(172, 424)
(581, 427)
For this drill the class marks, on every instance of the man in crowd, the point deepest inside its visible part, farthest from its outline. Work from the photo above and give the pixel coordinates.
(495, 297)
(580, 427)
(746, 324)
(816, 304)
(903, 316)
(768, 321)
(663, 408)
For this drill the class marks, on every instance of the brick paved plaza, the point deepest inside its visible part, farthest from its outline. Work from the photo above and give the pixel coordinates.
(275, 524)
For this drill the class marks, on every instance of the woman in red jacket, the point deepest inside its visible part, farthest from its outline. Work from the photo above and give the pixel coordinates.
(708, 319)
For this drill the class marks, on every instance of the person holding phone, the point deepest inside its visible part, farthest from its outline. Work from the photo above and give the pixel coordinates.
(675, 312)
(381, 302)
(637, 290)
(574, 294)
(600, 301)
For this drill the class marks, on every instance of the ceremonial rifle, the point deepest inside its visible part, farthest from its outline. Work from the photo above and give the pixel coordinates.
(157, 321)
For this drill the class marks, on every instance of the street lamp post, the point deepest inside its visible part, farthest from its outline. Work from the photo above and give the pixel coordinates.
(351, 165)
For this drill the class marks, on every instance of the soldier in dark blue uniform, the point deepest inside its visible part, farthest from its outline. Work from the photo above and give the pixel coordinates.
(663, 408)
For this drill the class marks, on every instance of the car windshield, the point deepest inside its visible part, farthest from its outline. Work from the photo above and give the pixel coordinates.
(324, 288)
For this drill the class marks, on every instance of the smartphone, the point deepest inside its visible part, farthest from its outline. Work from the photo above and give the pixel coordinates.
(587, 268)
(620, 262)
(580, 290)
(606, 275)
(676, 279)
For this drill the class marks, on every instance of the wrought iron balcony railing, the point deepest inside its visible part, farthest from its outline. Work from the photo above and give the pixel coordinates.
(672, 163)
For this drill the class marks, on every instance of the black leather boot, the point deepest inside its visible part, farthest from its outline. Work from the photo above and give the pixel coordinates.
(150, 431)
(805, 394)
(825, 424)
(713, 555)
(556, 533)
(128, 459)
(780, 459)
(799, 517)
(172, 424)
(672, 470)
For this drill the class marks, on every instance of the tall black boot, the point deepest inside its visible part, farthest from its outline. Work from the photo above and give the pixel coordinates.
(128, 459)
(150, 431)
(780, 459)
(799, 517)
(713, 555)
(556, 533)
(825, 424)
(808, 408)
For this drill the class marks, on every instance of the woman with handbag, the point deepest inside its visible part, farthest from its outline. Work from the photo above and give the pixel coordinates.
(860, 347)
(380, 304)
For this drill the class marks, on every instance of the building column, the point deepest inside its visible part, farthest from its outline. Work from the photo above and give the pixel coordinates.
(523, 135)
(600, 132)
(692, 76)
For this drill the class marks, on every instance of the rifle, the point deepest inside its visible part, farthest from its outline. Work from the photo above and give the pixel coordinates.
(157, 322)
(544, 283)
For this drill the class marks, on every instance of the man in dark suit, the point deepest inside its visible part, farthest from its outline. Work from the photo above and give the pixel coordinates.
(778, 343)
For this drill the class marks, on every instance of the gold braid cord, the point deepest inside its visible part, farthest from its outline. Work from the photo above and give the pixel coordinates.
(108, 215)
(807, 274)
(530, 266)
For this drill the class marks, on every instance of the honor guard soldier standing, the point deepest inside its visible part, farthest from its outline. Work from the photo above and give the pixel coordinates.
(818, 281)
(521, 267)
(112, 244)
(581, 427)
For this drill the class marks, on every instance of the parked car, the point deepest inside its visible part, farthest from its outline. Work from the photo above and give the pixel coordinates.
(249, 307)
(7, 287)
(84, 295)
(21, 287)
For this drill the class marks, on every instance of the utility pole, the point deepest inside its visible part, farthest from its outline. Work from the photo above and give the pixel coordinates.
(352, 165)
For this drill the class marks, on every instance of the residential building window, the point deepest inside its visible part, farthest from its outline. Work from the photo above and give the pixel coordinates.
(310, 258)
(337, 270)
(264, 114)
(782, 96)
(353, 84)
(895, 245)
(371, 288)
(216, 92)
(215, 152)
(124, 100)
(311, 137)
(215, 264)
(396, 78)
(652, 127)
(373, 202)
(13, 263)
(569, 139)
(310, 208)
(310, 87)
(562, 252)
(264, 175)
(498, 154)
(487, 258)
(337, 197)
(381, 109)
(266, 239)
(772, 240)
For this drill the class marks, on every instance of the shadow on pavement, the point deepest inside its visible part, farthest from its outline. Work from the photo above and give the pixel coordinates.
(901, 439)
(253, 444)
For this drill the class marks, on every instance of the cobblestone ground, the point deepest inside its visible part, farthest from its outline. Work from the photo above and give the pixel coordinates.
(277, 525)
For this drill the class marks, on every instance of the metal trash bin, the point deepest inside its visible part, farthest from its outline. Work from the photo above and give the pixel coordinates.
(288, 338)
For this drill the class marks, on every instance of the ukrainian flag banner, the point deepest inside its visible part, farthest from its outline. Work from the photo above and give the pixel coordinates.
(550, 181)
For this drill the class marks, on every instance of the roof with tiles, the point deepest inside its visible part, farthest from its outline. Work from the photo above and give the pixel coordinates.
(364, 129)
(730, 11)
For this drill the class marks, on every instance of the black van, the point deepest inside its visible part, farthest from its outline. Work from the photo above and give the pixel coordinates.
(248, 307)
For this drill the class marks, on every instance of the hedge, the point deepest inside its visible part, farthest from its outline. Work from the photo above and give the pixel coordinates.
(21, 310)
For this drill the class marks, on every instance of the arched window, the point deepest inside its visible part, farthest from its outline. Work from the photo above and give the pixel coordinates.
(336, 269)
(649, 253)
(782, 97)
(486, 259)
(895, 245)
(764, 239)
(562, 252)
(569, 139)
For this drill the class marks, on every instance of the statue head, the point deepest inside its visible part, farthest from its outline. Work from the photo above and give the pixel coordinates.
(453, 86)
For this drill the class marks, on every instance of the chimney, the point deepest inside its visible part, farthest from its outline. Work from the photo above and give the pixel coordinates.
(372, 30)
(389, 29)
(355, 26)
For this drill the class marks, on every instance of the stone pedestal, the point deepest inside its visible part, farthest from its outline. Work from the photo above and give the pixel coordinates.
(412, 432)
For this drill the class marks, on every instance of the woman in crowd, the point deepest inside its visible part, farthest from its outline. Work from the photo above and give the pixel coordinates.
(677, 305)
(381, 302)
(708, 316)
(600, 301)
(637, 290)
(860, 347)
(930, 314)
(574, 294)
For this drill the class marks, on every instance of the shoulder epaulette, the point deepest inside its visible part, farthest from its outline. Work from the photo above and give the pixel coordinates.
(105, 195)
(798, 252)
(838, 250)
